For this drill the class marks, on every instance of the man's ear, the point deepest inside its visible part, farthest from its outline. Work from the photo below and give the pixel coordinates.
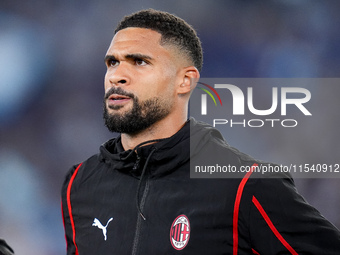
(189, 80)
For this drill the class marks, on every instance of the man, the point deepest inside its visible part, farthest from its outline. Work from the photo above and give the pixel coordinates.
(5, 249)
(136, 195)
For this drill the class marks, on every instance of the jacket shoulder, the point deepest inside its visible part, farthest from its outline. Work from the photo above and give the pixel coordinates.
(80, 169)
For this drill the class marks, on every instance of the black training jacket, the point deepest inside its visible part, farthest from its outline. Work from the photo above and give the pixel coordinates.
(143, 201)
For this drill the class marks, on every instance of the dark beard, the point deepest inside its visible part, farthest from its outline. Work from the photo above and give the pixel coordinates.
(140, 117)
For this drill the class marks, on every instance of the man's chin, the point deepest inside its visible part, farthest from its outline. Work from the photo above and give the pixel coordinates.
(114, 108)
(118, 110)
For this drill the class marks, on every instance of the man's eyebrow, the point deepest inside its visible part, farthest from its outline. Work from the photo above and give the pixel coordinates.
(109, 57)
(137, 56)
(128, 56)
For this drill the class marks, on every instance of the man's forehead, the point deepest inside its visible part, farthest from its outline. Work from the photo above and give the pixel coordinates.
(138, 40)
(136, 35)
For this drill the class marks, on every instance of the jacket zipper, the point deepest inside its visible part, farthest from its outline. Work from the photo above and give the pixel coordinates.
(140, 220)
(136, 165)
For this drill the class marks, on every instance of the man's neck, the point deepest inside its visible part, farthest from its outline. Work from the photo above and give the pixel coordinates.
(157, 131)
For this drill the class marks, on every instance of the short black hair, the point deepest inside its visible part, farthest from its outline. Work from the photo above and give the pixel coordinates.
(173, 30)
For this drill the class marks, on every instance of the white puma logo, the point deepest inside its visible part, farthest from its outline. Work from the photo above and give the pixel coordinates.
(96, 223)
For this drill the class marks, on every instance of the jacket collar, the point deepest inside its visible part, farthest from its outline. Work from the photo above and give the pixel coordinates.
(168, 155)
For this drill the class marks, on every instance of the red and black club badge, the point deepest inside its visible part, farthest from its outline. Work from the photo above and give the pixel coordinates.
(180, 232)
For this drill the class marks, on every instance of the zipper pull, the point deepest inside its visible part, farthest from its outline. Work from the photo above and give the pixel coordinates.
(136, 165)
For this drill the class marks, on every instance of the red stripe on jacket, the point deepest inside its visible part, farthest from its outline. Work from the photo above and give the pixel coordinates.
(272, 227)
(69, 206)
(237, 208)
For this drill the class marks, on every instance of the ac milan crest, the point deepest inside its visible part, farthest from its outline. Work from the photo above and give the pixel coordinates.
(180, 232)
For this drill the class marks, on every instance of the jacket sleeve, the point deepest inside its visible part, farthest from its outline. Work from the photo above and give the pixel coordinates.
(5, 249)
(282, 222)
(70, 246)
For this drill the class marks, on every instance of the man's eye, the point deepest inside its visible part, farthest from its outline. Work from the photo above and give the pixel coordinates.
(140, 62)
(112, 62)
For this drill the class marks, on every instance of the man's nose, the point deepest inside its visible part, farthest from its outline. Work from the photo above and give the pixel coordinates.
(119, 76)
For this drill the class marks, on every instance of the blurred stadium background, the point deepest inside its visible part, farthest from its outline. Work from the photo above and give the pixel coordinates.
(51, 90)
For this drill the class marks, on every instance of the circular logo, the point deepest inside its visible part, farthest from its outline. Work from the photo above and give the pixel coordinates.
(180, 232)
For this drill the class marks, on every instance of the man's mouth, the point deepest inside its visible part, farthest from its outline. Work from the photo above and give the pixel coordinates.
(116, 99)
